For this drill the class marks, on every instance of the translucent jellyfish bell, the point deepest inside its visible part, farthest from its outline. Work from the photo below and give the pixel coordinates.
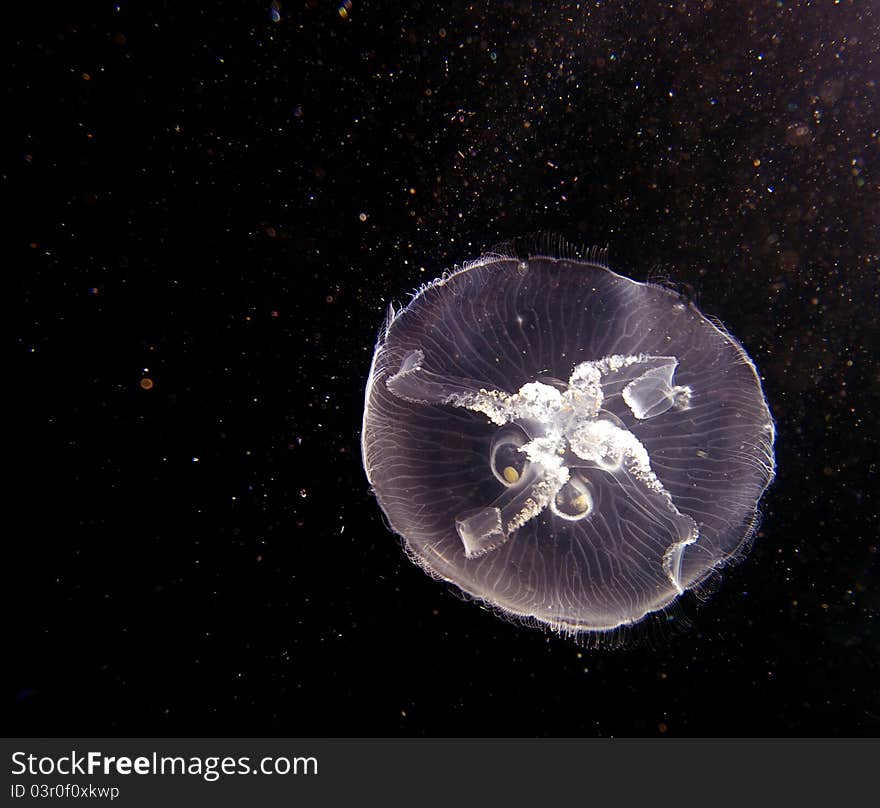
(565, 444)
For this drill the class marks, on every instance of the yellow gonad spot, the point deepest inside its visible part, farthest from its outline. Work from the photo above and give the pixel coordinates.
(511, 474)
(582, 503)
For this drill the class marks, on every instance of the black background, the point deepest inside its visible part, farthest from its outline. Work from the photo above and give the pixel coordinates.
(221, 198)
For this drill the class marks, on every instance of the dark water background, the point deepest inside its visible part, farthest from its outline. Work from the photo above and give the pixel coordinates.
(220, 198)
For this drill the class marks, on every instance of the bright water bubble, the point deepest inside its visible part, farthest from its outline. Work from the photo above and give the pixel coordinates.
(565, 444)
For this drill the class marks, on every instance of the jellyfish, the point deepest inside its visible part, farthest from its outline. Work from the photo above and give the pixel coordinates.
(574, 448)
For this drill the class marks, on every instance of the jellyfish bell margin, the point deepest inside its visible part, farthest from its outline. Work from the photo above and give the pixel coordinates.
(572, 447)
